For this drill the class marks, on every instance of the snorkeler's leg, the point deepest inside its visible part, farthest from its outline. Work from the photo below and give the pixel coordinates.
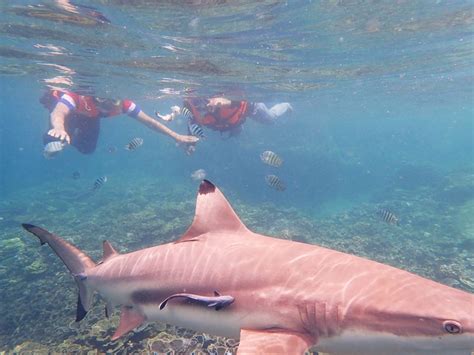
(262, 114)
(281, 109)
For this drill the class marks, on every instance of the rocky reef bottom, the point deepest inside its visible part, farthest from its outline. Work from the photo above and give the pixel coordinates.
(435, 239)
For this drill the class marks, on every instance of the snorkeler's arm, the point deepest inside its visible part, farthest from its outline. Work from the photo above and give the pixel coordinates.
(142, 117)
(57, 119)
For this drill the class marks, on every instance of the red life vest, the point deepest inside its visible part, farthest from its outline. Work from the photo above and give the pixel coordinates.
(223, 118)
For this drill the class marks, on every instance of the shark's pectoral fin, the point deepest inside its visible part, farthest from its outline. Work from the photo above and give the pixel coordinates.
(129, 320)
(273, 342)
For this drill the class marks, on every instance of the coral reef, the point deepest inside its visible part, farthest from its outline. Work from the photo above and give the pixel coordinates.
(411, 176)
(457, 188)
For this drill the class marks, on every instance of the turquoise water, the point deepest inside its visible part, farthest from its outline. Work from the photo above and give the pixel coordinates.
(382, 94)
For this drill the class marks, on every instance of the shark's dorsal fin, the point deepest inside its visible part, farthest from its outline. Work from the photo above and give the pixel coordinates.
(213, 214)
(109, 250)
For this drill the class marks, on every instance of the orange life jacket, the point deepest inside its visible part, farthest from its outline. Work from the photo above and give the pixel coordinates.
(223, 118)
(86, 105)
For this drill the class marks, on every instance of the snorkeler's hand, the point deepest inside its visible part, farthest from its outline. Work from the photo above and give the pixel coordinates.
(188, 143)
(175, 111)
(61, 134)
(186, 139)
(168, 117)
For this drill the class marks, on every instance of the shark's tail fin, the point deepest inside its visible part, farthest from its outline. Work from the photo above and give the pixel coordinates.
(75, 260)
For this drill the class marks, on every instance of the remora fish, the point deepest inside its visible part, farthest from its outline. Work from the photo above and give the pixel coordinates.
(271, 158)
(287, 296)
(217, 301)
(134, 144)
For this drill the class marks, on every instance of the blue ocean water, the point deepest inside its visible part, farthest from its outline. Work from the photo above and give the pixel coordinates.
(382, 97)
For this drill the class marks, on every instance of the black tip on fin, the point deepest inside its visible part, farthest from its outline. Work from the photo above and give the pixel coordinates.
(217, 294)
(80, 311)
(31, 228)
(162, 305)
(27, 226)
(206, 187)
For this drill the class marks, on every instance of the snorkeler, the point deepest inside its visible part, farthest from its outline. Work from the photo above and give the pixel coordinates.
(75, 119)
(224, 115)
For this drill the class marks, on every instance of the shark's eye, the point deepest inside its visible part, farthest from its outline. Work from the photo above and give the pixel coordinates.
(452, 327)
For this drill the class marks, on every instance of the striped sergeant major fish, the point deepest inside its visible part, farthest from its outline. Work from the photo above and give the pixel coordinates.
(99, 182)
(388, 216)
(275, 182)
(196, 130)
(134, 144)
(271, 158)
(186, 113)
(53, 148)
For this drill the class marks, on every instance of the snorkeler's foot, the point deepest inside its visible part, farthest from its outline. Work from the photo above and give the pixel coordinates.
(281, 109)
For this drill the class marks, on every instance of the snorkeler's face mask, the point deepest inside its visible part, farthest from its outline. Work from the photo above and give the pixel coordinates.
(107, 105)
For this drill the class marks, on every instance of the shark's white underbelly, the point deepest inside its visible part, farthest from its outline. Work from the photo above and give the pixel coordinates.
(222, 323)
(358, 343)
(225, 322)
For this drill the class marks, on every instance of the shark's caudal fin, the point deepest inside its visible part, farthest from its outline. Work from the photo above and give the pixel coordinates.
(75, 260)
(213, 213)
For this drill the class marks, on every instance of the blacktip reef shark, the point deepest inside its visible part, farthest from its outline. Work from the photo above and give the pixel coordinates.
(278, 296)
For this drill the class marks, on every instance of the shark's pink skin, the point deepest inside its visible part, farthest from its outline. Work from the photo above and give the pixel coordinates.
(289, 296)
